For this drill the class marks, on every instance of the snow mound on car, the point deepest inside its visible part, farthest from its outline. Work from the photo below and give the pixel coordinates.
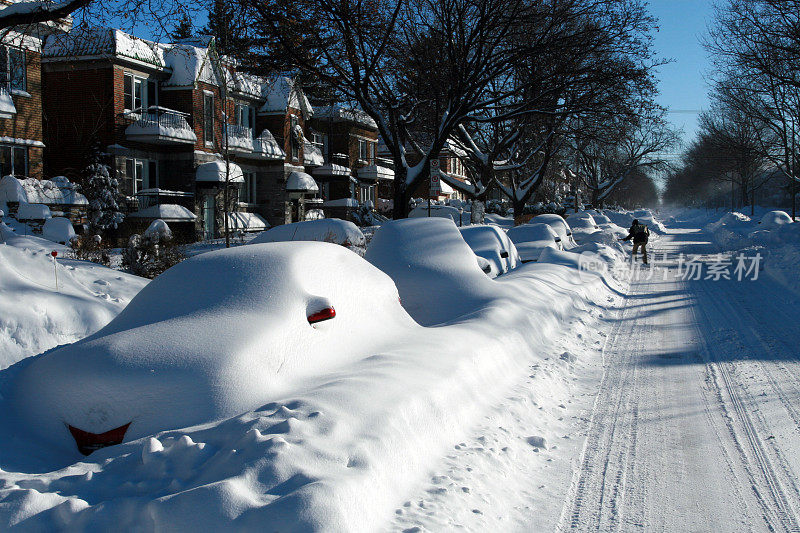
(246, 310)
(775, 219)
(492, 244)
(434, 268)
(332, 230)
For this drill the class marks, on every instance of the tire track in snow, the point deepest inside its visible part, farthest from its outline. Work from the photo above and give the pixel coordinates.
(598, 498)
(775, 505)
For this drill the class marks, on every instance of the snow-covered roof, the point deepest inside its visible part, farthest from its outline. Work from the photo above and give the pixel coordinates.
(246, 222)
(301, 182)
(346, 114)
(266, 145)
(283, 93)
(341, 202)
(215, 172)
(100, 41)
(168, 212)
(312, 155)
(189, 64)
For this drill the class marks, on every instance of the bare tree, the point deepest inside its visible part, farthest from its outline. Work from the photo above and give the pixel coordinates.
(621, 149)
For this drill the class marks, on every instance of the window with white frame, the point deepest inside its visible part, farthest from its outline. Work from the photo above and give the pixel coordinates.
(143, 174)
(13, 160)
(363, 150)
(140, 93)
(248, 190)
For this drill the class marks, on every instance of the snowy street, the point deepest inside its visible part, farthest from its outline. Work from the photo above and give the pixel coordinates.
(696, 426)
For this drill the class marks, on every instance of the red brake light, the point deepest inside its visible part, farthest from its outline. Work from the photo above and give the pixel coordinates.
(320, 316)
(89, 442)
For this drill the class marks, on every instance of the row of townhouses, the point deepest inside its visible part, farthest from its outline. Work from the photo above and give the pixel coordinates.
(166, 117)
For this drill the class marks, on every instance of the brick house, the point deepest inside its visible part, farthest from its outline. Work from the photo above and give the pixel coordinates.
(21, 134)
(348, 141)
(157, 111)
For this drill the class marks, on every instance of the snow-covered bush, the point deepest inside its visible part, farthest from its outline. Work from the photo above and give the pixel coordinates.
(153, 252)
(90, 248)
(58, 229)
(102, 193)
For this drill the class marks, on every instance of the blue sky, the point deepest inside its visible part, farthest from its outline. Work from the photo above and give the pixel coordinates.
(682, 23)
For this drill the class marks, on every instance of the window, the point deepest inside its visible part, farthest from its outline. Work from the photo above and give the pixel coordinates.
(363, 150)
(143, 174)
(13, 68)
(293, 139)
(208, 118)
(140, 93)
(248, 192)
(13, 160)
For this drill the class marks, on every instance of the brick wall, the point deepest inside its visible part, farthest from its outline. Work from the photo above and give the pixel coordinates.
(27, 123)
(79, 105)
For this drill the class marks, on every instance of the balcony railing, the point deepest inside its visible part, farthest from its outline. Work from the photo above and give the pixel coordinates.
(240, 138)
(160, 125)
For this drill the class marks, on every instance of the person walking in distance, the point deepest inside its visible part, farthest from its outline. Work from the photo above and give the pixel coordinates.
(640, 234)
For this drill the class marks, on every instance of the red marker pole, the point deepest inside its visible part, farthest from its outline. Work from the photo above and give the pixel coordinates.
(55, 267)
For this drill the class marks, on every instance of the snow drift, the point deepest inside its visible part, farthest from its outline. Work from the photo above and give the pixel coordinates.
(247, 309)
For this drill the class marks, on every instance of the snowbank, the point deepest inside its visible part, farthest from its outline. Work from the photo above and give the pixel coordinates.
(34, 316)
(351, 426)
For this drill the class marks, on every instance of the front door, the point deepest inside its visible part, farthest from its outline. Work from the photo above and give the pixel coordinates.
(209, 209)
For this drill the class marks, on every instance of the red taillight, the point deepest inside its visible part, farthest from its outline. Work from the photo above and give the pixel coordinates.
(89, 442)
(320, 316)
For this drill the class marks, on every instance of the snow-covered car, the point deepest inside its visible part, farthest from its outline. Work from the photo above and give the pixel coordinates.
(217, 335)
(559, 225)
(775, 219)
(492, 244)
(582, 221)
(441, 211)
(601, 219)
(434, 269)
(333, 230)
(531, 239)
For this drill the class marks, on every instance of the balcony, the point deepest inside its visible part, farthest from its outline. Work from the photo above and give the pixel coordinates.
(7, 109)
(240, 139)
(158, 125)
(265, 147)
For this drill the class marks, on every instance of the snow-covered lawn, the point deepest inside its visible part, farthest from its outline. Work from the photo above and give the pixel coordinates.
(34, 316)
(300, 428)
